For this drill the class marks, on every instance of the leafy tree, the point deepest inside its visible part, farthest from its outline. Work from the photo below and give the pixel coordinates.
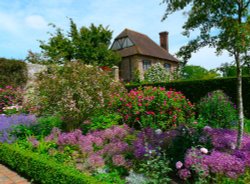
(197, 72)
(224, 25)
(88, 45)
(229, 70)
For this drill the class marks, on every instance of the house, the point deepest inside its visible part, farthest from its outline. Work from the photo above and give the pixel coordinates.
(139, 52)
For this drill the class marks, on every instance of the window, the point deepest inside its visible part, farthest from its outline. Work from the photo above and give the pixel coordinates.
(167, 66)
(146, 64)
(122, 43)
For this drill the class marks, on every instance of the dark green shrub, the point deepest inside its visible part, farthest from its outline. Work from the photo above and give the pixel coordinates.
(194, 90)
(153, 107)
(74, 92)
(216, 110)
(39, 168)
(12, 72)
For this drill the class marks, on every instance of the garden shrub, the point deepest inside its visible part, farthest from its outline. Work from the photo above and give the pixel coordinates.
(216, 110)
(12, 72)
(153, 107)
(41, 128)
(10, 99)
(194, 90)
(40, 169)
(156, 73)
(74, 92)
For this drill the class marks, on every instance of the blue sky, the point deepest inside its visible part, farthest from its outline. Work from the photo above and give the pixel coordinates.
(23, 22)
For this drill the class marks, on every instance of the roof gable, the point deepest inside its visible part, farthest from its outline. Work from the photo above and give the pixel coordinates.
(142, 45)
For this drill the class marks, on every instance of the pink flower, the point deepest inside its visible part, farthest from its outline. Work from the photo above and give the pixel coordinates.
(178, 165)
(204, 150)
(195, 122)
(118, 160)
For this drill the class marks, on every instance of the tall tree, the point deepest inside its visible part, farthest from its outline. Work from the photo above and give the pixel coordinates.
(89, 45)
(229, 70)
(224, 25)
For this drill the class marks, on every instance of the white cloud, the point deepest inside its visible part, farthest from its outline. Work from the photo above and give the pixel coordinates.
(36, 22)
(8, 23)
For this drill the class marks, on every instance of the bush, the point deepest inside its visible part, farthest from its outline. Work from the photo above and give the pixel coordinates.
(10, 96)
(39, 168)
(74, 92)
(156, 73)
(41, 128)
(194, 90)
(153, 107)
(216, 110)
(12, 72)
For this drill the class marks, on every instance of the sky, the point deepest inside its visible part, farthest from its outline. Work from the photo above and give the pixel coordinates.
(24, 22)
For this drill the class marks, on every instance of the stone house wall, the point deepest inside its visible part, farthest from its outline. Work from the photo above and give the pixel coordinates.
(129, 65)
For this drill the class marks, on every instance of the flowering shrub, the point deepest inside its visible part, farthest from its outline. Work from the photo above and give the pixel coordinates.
(74, 91)
(216, 110)
(7, 124)
(156, 73)
(10, 98)
(97, 149)
(153, 107)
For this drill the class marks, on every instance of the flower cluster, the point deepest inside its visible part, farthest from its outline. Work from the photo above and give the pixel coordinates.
(151, 141)
(7, 124)
(98, 147)
(9, 96)
(153, 107)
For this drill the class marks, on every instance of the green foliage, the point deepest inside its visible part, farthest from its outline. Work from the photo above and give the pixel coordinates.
(39, 168)
(102, 121)
(191, 72)
(216, 110)
(109, 178)
(156, 73)
(12, 72)
(88, 45)
(156, 169)
(74, 91)
(231, 70)
(194, 90)
(230, 19)
(42, 128)
(153, 107)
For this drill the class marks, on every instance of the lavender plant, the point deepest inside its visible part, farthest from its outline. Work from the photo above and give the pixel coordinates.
(7, 124)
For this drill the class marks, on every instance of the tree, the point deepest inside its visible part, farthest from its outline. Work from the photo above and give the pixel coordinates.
(224, 25)
(191, 72)
(229, 70)
(88, 45)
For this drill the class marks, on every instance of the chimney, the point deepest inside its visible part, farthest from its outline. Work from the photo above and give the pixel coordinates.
(164, 40)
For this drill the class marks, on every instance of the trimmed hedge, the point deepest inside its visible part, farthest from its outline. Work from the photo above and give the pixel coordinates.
(40, 169)
(195, 89)
(13, 72)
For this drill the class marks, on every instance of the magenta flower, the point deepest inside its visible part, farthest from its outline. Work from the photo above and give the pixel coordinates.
(119, 160)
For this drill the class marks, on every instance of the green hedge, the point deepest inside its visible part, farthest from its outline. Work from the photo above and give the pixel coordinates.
(13, 72)
(40, 169)
(195, 89)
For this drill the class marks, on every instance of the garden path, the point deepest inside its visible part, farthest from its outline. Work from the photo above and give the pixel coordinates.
(10, 177)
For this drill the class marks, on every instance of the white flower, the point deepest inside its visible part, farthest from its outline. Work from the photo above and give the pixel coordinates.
(204, 150)
(178, 165)
(233, 146)
(158, 131)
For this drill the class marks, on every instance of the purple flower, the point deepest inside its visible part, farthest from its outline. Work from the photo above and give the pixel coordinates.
(184, 174)
(96, 161)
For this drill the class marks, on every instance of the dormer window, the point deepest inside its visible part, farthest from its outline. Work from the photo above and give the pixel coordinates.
(122, 43)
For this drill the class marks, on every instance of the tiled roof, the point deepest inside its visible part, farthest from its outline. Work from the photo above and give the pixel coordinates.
(143, 45)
